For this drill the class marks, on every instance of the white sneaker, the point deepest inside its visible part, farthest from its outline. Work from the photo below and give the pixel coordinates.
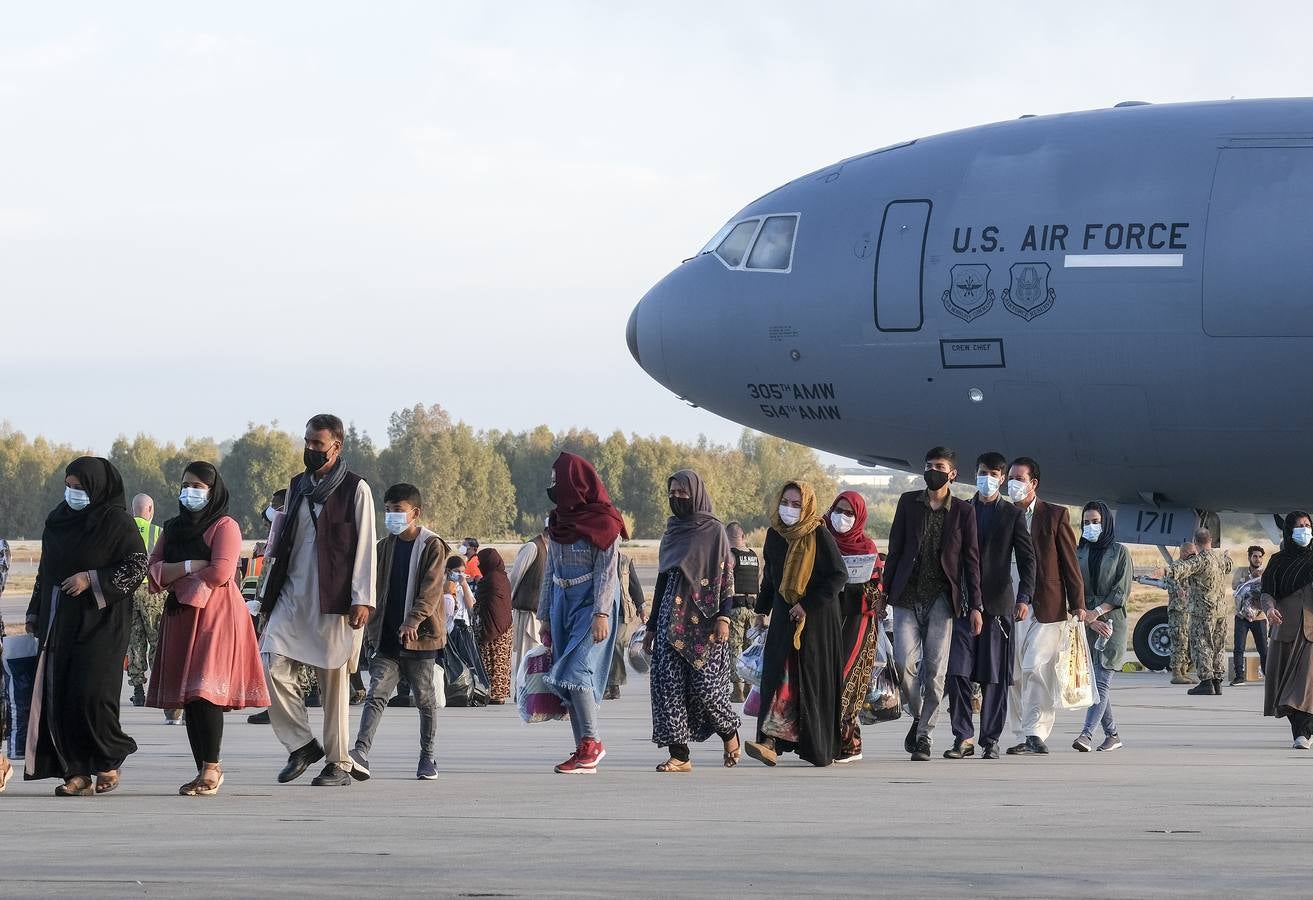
(1301, 743)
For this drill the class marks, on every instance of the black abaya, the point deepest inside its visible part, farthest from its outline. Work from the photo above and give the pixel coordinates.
(819, 665)
(84, 638)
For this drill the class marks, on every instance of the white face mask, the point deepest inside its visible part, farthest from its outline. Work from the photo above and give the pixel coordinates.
(269, 513)
(463, 550)
(1302, 536)
(396, 522)
(842, 523)
(789, 515)
(1091, 532)
(1018, 490)
(76, 499)
(193, 498)
(987, 485)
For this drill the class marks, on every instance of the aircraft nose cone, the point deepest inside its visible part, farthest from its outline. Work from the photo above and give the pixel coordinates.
(631, 335)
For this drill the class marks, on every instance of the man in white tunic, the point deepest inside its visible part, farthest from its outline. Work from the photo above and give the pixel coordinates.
(318, 597)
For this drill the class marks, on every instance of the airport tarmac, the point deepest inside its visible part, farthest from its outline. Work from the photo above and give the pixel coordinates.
(1206, 799)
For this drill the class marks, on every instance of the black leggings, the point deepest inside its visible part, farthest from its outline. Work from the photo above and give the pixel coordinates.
(204, 731)
(680, 751)
(1301, 723)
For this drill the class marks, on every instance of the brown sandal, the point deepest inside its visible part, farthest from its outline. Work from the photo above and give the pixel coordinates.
(9, 773)
(763, 752)
(732, 757)
(77, 786)
(203, 787)
(106, 782)
(676, 765)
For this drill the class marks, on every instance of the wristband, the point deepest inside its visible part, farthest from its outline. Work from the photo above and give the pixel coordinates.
(186, 566)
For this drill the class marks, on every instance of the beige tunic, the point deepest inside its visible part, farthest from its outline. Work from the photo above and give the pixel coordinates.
(296, 628)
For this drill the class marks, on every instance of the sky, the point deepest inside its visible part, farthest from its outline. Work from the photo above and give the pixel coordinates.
(218, 214)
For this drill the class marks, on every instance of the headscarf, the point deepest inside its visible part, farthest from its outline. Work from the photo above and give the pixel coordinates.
(856, 542)
(583, 507)
(102, 534)
(492, 595)
(184, 534)
(801, 557)
(1106, 537)
(1291, 568)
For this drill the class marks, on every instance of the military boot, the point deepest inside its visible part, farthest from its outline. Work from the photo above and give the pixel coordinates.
(138, 695)
(1179, 676)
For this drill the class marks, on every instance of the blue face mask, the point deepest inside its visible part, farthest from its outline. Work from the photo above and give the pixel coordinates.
(396, 522)
(193, 498)
(1091, 532)
(76, 499)
(1302, 536)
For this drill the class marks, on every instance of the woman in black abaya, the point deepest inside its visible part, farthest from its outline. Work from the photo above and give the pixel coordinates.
(92, 559)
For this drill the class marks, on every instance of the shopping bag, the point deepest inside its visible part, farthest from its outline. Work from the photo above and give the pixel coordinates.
(883, 701)
(749, 662)
(638, 658)
(1075, 687)
(467, 684)
(20, 658)
(752, 705)
(536, 701)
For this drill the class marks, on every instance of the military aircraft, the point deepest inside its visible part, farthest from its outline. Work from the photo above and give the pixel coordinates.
(1125, 294)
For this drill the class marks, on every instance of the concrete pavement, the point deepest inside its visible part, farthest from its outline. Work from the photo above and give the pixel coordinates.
(1206, 799)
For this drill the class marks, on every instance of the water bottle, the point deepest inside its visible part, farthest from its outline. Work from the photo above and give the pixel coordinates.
(1102, 641)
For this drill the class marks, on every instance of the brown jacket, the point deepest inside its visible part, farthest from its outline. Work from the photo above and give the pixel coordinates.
(1059, 587)
(426, 612)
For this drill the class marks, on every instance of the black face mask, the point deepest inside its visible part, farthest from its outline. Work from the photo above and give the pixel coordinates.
(314, 459)
(551, 494)
(682, 507)
(935, 479)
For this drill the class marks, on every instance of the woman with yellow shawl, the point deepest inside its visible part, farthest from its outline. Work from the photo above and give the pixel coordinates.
(802, 576)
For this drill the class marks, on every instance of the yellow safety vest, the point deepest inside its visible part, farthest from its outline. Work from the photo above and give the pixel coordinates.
(150, 532)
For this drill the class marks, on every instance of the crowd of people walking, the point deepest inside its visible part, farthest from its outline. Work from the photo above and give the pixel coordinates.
(981, 598)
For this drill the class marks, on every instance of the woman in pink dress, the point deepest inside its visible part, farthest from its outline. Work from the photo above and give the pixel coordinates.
(207, 660)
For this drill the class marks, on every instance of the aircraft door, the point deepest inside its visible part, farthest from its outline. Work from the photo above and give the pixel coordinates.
(1257, 266)
(899, 262)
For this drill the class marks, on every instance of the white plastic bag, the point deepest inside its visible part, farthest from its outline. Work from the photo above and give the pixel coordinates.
(749, 663)
(1075, 687)
(639, 659)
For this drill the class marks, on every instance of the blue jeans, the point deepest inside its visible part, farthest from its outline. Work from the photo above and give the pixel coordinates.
(583, 713)
(1101, 712)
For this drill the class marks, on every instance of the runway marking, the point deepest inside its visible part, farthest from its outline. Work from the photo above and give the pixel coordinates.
(1123, 261)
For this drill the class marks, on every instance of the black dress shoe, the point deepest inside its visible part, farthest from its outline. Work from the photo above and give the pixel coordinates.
(960, 749)
(989, 751)
(299, 761)
(332, 776)
(1036, 745)
(909, 742)
(260, 718)
(1019, 749)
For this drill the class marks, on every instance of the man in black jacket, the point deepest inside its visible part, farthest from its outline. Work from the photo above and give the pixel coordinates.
(986, 659)
(933, 576)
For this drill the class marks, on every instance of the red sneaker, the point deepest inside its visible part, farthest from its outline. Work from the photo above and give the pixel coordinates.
(570, 766)
(591, 752)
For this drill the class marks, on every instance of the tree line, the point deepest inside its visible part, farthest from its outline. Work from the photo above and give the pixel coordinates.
(489, 484)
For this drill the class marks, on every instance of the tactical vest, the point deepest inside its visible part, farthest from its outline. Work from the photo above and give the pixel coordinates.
(747, 572)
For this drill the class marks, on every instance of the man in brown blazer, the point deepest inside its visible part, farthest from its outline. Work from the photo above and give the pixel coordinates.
(1059, 593)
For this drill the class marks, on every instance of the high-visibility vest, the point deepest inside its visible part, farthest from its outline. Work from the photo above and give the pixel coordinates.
(150, 532)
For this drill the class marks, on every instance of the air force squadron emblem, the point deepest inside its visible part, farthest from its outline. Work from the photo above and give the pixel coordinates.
(968, 296)
(1029, 294)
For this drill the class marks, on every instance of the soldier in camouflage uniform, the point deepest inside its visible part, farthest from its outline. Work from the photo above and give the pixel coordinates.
(1178, 622)
(747, 581)
(1207, 582)
(631, 616)
(146, 608)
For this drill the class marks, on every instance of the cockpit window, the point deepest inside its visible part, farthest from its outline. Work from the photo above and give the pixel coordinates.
(774, 246)
(735, 245)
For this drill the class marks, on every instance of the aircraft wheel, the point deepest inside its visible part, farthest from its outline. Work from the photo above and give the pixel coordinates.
(1153, 640)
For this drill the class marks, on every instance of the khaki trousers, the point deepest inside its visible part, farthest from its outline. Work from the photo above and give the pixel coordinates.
(291, 721)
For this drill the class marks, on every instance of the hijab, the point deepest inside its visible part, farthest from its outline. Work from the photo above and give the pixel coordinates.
(1291, 568)
(855, 542)
(583, 507)
(697, 546)
(492, 594)
(1106, 539)
(184, 534)
(101, 535)
(801, 556)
